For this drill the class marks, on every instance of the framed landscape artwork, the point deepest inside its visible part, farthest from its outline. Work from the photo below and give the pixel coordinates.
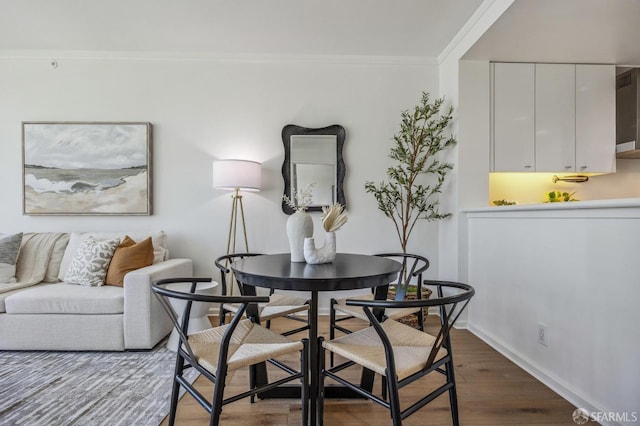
(86, 168)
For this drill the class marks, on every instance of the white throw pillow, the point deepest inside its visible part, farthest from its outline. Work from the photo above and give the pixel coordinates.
(9, 249)
(90, 264)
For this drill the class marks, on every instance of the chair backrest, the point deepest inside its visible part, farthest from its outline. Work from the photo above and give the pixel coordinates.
(227, 278)
(413, 265)
(180, 320)
(450, 306)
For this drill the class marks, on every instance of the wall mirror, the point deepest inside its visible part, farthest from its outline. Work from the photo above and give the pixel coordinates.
(313, 162)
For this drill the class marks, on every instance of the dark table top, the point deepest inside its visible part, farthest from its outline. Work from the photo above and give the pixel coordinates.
(346, 272)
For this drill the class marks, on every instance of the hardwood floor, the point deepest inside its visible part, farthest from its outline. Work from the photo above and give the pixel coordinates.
(491, 391)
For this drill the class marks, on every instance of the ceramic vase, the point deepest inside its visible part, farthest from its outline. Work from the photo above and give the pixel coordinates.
(299, 227)
(324, 254)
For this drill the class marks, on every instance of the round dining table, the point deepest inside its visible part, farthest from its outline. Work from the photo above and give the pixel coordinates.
(346, 272)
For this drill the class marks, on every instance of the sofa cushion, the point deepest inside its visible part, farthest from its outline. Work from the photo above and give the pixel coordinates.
(128, 257)
(63, 298)
(9, 249)
(159, 240)
(90, 264)
(4, 295)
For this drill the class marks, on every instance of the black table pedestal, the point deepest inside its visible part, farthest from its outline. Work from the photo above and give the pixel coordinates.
(346, 272)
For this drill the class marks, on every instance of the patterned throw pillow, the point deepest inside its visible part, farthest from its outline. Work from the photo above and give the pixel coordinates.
(9, 249)
(90, 264)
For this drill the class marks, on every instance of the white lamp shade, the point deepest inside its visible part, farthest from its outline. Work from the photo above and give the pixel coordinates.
(236, 174)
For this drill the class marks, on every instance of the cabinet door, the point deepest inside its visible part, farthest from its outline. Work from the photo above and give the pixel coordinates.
(513, 117)
(596, 118)
(555, 117)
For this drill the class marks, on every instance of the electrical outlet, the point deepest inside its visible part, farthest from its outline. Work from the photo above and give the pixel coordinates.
(543, 336)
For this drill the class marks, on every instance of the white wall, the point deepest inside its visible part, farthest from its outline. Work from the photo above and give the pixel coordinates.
(455, 195)
(576, 271)
(202, 109)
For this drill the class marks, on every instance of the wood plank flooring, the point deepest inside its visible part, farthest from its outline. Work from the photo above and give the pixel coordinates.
(491, 391)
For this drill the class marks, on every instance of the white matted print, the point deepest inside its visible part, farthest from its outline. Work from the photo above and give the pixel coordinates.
(77, 168)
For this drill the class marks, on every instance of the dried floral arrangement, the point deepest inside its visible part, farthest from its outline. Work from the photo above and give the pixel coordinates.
(300, 200)
(333, 217)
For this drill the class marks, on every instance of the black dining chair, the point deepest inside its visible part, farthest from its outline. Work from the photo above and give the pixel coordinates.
(400, 353)
(280, 305)
(218, 351)
(409, 280)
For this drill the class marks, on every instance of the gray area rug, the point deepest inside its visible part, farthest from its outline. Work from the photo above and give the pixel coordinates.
(86, 388)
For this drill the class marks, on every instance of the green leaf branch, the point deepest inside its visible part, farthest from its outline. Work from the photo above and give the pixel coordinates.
(402, 197)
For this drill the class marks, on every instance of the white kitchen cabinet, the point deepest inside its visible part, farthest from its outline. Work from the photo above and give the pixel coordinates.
(553, 118)
(555, 109)
(513, 117)
(595, 118)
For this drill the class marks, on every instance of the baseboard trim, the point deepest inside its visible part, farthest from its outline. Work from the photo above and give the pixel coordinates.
(545, 377)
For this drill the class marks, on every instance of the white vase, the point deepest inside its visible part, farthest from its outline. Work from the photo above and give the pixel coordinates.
(299, 227)
(324, 254)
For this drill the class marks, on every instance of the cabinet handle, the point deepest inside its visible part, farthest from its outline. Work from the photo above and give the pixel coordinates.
(567, 167)
(583, 167)
(527, 167)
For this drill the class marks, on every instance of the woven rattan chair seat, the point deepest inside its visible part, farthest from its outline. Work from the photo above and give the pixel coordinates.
(279, 305)
(358, 312)
(250, 344)
(411, 348)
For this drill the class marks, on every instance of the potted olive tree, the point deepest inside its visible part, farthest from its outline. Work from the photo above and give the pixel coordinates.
(410, 192)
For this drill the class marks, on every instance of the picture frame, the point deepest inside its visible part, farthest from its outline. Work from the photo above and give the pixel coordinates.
(86, 168)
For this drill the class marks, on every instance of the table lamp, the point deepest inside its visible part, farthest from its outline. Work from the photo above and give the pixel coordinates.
(236, 175)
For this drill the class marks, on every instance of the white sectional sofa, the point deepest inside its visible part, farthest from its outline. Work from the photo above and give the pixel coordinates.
(52, 315)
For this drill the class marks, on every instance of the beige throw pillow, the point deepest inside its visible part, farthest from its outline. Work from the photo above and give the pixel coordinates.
(53, 269)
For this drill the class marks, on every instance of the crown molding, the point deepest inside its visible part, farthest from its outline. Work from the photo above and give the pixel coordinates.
(489, 9)
(216, 57)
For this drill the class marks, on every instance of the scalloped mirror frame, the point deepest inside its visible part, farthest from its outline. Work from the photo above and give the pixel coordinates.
(333, 130)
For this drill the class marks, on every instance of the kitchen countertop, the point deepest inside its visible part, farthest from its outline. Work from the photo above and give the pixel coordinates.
(571, 205)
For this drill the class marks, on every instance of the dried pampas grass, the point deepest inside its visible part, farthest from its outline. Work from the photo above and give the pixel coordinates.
(333, 217)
